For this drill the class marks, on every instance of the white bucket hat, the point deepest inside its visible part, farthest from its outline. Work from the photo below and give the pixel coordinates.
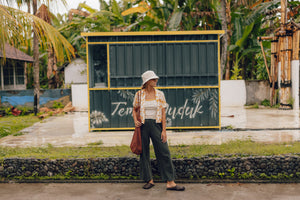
(148, 75)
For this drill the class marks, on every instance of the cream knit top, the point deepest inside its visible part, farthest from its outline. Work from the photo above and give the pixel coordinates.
(150, 109)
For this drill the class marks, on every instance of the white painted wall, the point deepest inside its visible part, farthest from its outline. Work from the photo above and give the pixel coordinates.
(233, 93)
(80, 97)
(76, 72)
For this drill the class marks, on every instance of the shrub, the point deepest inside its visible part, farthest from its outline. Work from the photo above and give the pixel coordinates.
(4, 132)
(57, 105)
(266, 102)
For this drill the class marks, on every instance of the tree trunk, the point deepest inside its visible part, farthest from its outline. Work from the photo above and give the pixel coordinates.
(53, 79)
(224, 38)
(36, 67)
(29, 6)
(56, 77)
(50, 68)
(228, 24)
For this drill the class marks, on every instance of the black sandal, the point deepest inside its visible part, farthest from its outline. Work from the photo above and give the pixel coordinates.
(177, 188)
(148, 186)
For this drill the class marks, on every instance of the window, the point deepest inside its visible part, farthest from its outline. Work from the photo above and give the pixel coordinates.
(8, 72)
(98, 65)
(19, 73)
(13, 74)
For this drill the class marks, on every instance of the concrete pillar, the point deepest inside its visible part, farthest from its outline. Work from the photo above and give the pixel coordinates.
(295, 84)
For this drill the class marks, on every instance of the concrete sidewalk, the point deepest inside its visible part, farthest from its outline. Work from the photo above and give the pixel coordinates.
(261, 125)
(132, 191)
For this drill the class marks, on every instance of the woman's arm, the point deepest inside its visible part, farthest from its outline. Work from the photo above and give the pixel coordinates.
(135, 110)
(137, 123)
(163, 123)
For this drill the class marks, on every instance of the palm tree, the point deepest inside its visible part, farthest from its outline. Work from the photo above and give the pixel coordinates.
(36, 66)
(44, 13)
(14, 24)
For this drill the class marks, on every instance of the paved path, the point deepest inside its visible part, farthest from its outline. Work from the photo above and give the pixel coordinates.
(261, 125)
(132, 191)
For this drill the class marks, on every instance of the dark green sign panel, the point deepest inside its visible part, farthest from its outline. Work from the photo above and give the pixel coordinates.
(188, 108)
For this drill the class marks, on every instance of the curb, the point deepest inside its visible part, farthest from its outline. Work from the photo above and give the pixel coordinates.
(204, 181)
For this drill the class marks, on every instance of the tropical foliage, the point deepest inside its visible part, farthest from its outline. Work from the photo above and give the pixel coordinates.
(246, 20)
(20, 28)
(15, 25)
(243, 21)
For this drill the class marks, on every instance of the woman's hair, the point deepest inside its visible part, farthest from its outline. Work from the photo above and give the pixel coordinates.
(144, 86)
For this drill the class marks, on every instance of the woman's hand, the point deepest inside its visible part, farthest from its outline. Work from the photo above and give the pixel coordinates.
(164, 136)
(137, 123)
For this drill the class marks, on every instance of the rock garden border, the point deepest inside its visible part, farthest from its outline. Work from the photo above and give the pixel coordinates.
(284, 168)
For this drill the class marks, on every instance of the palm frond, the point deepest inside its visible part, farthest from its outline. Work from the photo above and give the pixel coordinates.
(98, 118)
(103, 5)
(150, 24)
(233, 47)
(13, 26)
(102, 13)
(10, 29)
(251, 50)
(126, 94)
(246, 33)
(142, 8)
(87, 7)
(213, 103)
(237, 21)
(200, 95)
(116, 9)
(261, 9)
(210, 95)
(175, 21)
(128, 28)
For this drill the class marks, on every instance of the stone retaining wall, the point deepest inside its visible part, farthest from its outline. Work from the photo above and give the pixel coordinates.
(259, 167)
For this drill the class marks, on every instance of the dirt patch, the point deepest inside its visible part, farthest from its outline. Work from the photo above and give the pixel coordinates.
(63, 100)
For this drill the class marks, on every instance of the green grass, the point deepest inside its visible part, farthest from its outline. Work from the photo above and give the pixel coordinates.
(100, 142)
(236, 148)
(182, 151)
(65, 152)
(11, 125)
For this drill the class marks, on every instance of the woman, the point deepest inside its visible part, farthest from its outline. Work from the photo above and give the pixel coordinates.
(150, 104)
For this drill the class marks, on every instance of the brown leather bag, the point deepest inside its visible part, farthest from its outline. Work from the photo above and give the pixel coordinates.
(136, 141)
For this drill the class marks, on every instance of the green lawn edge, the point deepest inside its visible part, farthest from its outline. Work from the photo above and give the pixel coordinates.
(11, 125)
(232, 148)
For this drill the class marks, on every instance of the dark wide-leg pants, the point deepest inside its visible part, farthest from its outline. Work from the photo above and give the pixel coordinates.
(153, 130)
